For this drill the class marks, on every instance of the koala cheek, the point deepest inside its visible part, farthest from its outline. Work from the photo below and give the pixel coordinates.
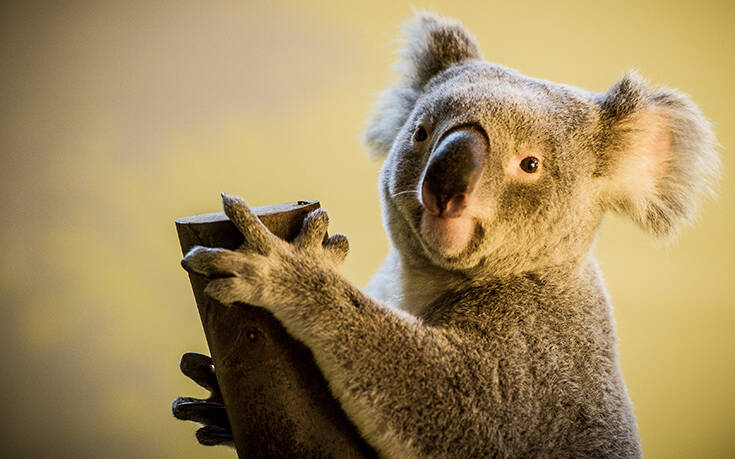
(521, 201)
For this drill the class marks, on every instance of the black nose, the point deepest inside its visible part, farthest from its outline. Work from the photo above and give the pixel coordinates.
(453, 170)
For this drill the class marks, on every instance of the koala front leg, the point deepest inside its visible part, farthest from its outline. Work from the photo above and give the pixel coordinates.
(396, 378)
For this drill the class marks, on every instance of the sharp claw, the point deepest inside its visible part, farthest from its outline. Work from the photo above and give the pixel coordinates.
(211, 435)
(212, 263)
(228, 199)
(185, 265)
(189, 260)
(200, 369)
(178, 407)
(194, 359)
(256, 235)
(313, 230)
(194, 409)
(337, 246)
(339, 242)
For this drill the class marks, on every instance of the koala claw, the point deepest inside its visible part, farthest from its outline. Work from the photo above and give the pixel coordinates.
(313, 237)
(198, 410)
(257, 236)
(212, 435)
(337, 246)
(200, 369)
(313, 230)
(237, 275)
(210, 412)
(213, 262)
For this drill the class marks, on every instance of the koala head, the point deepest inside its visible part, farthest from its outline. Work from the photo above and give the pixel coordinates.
(487, 169)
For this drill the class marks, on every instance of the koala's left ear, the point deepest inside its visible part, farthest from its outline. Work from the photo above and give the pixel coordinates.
(657, 155)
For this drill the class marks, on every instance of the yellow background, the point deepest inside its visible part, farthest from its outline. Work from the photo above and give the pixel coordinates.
(116, 118)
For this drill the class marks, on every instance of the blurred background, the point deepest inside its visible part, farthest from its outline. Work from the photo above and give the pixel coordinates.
(118, 117)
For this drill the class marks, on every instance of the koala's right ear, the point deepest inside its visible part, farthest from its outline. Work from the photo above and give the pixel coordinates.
(432, 44)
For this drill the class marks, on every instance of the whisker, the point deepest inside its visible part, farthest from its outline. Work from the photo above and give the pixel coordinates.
(404, 192)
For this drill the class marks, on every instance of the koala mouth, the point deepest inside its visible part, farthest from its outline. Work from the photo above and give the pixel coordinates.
(452, 243)
(450, 236)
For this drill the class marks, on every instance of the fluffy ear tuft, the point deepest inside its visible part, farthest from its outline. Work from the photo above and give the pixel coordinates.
(432, 45)
(391, 111)
(657, 155)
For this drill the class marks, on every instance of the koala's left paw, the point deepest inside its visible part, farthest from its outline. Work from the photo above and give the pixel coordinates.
(263, 262)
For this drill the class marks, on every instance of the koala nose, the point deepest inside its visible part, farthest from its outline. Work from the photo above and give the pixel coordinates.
(452, 173)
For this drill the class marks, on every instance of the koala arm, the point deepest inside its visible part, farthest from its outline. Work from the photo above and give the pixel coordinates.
(390, 372)
(404, 384)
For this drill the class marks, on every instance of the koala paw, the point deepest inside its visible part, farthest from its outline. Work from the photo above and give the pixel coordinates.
(313, 238)
(264, 264)
(209, 412)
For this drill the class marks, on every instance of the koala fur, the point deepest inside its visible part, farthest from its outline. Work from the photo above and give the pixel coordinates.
(490, 334)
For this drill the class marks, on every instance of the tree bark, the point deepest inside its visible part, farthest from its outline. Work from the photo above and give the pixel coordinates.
(278, 402)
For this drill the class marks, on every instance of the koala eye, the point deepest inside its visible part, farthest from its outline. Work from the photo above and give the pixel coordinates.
(420, 135)
(529, 164)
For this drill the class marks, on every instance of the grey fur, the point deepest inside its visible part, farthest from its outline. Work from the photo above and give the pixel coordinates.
(507, 347)
(431, 45)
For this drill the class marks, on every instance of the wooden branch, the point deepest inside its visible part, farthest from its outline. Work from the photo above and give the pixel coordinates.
(277, 400)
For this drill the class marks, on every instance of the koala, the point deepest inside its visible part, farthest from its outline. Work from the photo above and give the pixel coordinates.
(488, 331)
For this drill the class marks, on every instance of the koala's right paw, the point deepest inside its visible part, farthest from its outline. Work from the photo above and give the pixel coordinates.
(209, 412)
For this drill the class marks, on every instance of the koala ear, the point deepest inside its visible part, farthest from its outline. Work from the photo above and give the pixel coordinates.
(432, 44)
(657, 155)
